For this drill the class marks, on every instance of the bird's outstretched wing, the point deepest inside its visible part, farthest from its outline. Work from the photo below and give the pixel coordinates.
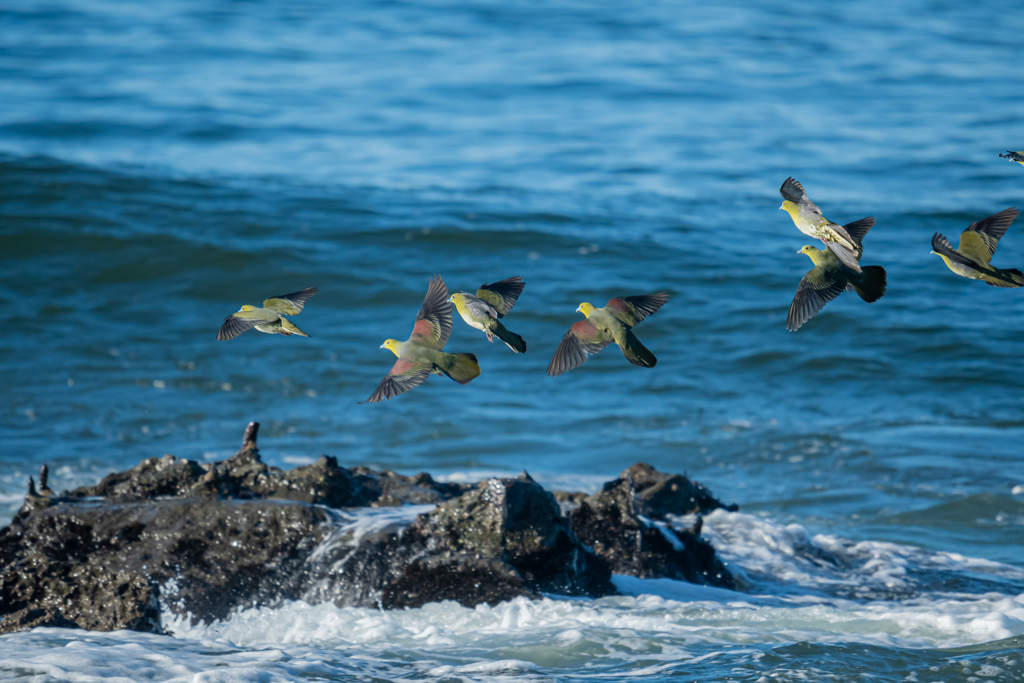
(434, 321)
(290, 304)
(233, 327)
(579, 341)
(404, 375)
(815, 290)
(502, 295)
(793, 191)
(940, 245)
(857, 230)
(1014, 156)
(630, 310)
(979, 240)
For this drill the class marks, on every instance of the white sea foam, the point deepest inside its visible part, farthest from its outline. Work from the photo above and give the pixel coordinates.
(797, 588)
(786, 560)
(350, 525)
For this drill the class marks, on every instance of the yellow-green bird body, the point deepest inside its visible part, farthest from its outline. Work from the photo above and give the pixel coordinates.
(270, 319)
(827, 280)
(1014, 156)
(492, 301)
(977, 245)
(421, 354)
(603, 326)
(461, 367)
(809, 220)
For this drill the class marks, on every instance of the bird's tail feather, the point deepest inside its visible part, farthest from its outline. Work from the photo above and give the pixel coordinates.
(291, 328)
(513, 340)
(870, 284)
(461, 367)
(636, 353)
(1014, 278)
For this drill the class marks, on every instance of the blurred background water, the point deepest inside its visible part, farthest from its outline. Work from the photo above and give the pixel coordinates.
(163, 163)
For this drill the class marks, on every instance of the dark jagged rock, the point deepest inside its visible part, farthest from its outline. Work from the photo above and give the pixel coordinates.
(663, 494)
(101, 564)
(202, 540)
(505, 538)
(44, 475)
(245, 476)
(512, 520)
(152, 478)
(470, 581)
(614, 523)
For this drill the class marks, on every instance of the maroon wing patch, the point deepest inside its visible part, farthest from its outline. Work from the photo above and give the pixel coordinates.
(579, 341)
(630, 310)
(404, 375)
(434, 321)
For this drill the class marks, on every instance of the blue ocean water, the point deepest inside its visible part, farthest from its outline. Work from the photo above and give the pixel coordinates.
(163, 163)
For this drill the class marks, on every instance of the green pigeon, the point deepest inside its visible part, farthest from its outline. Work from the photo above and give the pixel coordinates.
(1014, 156)
(492, 302)
(808, 219)
(269, 319)
(421, 354)
(977, 245)
(613, 323)
(830, 277)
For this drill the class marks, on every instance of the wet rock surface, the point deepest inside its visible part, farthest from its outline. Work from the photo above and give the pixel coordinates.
(202, 540)
(245, 476)
(612, 523)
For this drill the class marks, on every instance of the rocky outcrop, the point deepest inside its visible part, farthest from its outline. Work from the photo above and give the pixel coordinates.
(505, 538)
(612, 522)
(201, 540)
(102, 566)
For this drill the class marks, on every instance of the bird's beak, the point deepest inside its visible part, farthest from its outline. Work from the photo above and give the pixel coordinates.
(578, 310)
(384, 345)
(450, 298)
(800, 251)
(781, 207)
(932, 252)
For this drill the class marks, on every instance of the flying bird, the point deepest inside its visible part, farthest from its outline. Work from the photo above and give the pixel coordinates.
(492, 301)
(977, 245)
(1014, 156)
(421, 354)
(270, 319)
(808, 219)
(613, 323)
(828, 279)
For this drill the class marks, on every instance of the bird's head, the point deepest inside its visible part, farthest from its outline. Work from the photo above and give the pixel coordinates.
(790, 208)
(247, 307)
(585, 308)
(813, 253)
(458, 298)
(391, 345)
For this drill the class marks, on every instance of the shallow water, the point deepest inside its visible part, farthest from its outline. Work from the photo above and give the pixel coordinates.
(160, 165)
